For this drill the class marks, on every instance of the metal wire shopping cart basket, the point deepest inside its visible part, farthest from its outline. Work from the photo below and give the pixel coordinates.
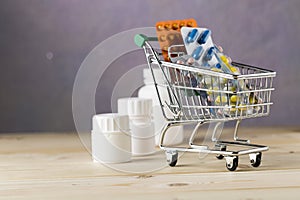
(200, 95)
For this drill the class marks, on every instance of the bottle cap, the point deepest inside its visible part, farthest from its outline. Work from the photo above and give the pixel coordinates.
(111, 122)
(135, 107)
(139, 107)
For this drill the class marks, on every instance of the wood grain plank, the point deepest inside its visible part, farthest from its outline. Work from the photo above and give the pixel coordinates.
(57, 166)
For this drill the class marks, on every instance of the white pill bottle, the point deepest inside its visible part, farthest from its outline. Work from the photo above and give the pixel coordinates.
(141, 126)
(111, 138)
(175, 134)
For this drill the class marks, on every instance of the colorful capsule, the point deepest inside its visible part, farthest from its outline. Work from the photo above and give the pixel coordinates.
(242, 107)
(224, 59)
(232, 108)
(197, 53)
(204, 37)
(209, 54)
(194, 81)
(253, 99)
(221, 100)
(218, 66)
(192, 35)
(222, 65)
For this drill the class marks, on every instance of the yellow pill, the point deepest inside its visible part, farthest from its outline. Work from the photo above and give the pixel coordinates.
(234, 99)
(224, 59)
(229, 88)
(253, 99)
(212, 89)
(233, 108)
(221, 100)
(227, 62)
(242, 108)
(216, 69)
(235, 70)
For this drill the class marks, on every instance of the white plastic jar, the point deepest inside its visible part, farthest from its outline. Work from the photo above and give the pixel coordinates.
(175, 134)
(142, 128)
(111, 139)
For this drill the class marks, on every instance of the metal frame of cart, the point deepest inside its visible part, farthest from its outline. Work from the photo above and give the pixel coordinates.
(190, 90)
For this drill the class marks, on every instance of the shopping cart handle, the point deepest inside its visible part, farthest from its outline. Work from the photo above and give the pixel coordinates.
(140, 39)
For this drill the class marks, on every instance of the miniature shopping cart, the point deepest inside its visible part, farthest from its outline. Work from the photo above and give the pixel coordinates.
(200, 95)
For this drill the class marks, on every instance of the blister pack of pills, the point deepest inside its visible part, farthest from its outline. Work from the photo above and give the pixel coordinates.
(200, 46)
(168, 34)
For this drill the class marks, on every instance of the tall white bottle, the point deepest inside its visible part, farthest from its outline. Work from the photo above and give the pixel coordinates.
(141, 126)
(175, 134)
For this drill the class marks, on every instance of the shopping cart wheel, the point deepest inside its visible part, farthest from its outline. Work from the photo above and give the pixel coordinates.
(255, 159)
(232, 162)
(220, 156)
(172, 157)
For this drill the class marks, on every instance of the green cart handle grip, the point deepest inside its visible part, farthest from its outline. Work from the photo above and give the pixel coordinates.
(140, 39)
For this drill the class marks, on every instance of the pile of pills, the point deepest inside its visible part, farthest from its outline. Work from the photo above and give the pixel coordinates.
(200, 47)
(195, 47)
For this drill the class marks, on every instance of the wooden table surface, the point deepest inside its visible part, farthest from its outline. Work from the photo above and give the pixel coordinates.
(58, 166)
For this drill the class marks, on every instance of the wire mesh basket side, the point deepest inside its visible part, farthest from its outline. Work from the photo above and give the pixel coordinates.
(200, 94)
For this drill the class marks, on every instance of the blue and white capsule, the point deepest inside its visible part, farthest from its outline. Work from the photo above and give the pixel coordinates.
(197, 53)
(204, 37)
(192, 36)
(209, 53)
(218, 66)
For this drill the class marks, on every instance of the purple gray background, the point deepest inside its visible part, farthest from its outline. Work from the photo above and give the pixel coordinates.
(43, 42)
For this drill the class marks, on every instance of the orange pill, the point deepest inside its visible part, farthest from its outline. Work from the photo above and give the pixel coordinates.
(159, 27)
(167, 26)
(189, 24)
(175, 26)
(182, 24)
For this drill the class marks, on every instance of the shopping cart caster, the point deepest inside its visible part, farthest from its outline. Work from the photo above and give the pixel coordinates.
(222, 148)
(172, 157)
(255, 159)
(232, 162)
